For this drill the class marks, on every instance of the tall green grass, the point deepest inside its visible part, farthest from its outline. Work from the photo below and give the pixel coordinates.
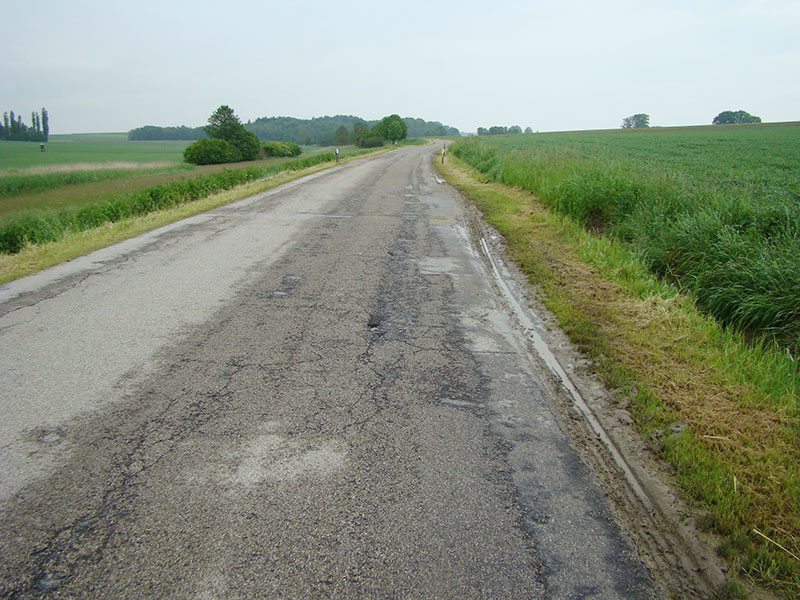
(16, 184)
(47, 228)
(729, 236)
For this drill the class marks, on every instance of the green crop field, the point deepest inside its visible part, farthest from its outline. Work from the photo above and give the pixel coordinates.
(61, 150)
(755, 159)
(714, 209)
(109, 136)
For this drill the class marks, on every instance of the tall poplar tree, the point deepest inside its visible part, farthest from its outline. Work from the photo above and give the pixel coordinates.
(45, 124)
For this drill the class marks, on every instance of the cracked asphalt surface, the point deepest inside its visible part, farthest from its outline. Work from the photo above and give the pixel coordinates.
(315, 392)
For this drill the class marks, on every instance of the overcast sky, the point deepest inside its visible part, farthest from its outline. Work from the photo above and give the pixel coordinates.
(552, 65)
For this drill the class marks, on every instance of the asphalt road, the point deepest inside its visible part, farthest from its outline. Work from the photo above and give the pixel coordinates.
(315, 392)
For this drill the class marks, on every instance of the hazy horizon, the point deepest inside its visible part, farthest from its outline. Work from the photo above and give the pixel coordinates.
(101, 67)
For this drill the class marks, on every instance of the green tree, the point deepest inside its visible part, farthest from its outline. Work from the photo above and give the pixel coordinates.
(515, 129)
(636, 121)
(327, 138)
(342, 136)
(208, 151)
(223, 124)
(528, 130)
(483, 131)
(730, 117)
(360, 129)
(397, 128)
(272, 148)
(247, 144)
(45, 124)
(370, 140)
(391, 128)
(12, 128)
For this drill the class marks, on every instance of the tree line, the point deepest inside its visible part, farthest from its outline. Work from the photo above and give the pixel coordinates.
(229, 141)
(329, 131)
(726, 117)
(321, 131)
(423, 128)
(389, 129)
(151, 133)
(15, 130)
(502, 130)
(639, 120)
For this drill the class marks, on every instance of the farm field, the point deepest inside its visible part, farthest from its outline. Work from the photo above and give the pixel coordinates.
(79, 170)
(714, 209)
(88, 148)
(634, 240)
(751, 158)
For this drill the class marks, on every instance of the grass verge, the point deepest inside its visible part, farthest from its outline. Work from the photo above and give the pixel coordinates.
(723, 412)
(33, 258)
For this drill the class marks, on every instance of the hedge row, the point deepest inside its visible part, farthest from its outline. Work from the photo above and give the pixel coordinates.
(280, 149)
(47, 228)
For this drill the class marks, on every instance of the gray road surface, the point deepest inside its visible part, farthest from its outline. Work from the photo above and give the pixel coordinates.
(315, 392)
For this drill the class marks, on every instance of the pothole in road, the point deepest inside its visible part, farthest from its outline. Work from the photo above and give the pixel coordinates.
(374, 324)
(50, 437)
(288, 284)
(47, 583)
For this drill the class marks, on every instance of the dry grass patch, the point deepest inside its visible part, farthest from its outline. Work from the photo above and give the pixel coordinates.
(722, 412)
(84, 166)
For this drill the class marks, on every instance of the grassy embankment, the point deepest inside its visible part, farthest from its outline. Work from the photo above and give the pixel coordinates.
(635, 239)
(71, 217)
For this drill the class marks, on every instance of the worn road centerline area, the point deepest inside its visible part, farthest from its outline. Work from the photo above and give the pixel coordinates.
(311, 393)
